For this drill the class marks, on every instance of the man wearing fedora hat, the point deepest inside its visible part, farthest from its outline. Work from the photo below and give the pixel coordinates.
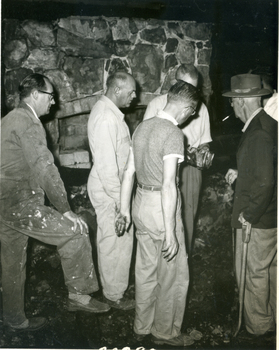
(255, 201)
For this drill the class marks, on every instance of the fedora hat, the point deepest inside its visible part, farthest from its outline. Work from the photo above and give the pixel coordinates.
(246, 85)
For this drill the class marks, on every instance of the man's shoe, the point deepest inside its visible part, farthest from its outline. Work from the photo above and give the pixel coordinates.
(93, 306)
(122, 304)
(33, 324)
(181, 340)
(140, 337)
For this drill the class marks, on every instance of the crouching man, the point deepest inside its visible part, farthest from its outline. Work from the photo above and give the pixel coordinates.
(162, 275)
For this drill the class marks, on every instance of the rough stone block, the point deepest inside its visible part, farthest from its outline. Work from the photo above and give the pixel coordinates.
(186, 52)
(82, 105)
(204, 56)
(13, 78)
(15, 53)
(132, 26)
(140, 23)
(77, 46)
(169, 80)
(85, 75)
(40, 34)
(61, 83)
(204, 71)
(121, 30)
(154, 36)
(170, 62)
(44, 58)
(95, 28)
(174, 28)
(117, 64)
(197, 31)
(122, 47)
(11, 29)
(146, 62)
(171, 45)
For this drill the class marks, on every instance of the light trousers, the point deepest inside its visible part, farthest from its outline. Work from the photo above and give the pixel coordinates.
(114, 253)
(260, 283)
(161, 286)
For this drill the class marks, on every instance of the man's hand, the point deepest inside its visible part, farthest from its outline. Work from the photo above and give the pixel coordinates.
(242, 220)
(77, 221)
(170, 247)
(122, 222)
(231, 176)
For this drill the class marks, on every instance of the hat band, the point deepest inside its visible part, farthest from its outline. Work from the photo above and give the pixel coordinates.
(244, 91)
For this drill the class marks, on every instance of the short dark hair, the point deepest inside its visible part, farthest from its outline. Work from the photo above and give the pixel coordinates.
(183, 91)
(189, 69)
(114, 78)
(31, 82)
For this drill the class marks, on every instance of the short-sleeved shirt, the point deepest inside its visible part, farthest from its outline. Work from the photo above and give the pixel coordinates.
(197, 131)
(153, 141)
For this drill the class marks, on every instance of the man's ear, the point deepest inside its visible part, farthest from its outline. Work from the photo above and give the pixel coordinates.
(117, 90)
(35, 94)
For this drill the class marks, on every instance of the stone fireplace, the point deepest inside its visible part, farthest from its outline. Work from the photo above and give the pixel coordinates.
(78, 53)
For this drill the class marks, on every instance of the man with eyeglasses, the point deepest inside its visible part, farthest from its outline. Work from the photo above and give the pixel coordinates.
(28, 174)
(197, 134)
(162, 276)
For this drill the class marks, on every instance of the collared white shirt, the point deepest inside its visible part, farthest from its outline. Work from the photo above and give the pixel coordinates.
(164, 115)
(250, 119)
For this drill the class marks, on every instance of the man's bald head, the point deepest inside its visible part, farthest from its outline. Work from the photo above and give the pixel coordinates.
(121, 89)
(187, 73)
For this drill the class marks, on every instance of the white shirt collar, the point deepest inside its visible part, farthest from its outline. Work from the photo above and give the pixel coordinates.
(250, 119)
(32, 109)
(164, 115)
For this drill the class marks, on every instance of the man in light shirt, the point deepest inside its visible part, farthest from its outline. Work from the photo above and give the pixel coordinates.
(109, 141)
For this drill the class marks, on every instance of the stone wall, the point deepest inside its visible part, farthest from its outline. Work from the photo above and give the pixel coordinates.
(78, 53)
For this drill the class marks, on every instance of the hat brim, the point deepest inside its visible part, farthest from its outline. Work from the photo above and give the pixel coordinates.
(258, 93)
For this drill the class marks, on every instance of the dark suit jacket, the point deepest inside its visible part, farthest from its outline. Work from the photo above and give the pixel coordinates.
(256, 185)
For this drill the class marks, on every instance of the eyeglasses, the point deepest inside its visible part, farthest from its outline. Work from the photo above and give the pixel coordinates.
(51, 94)
(194, 110)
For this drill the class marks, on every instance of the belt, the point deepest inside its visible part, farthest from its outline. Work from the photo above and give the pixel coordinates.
(150, 188)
